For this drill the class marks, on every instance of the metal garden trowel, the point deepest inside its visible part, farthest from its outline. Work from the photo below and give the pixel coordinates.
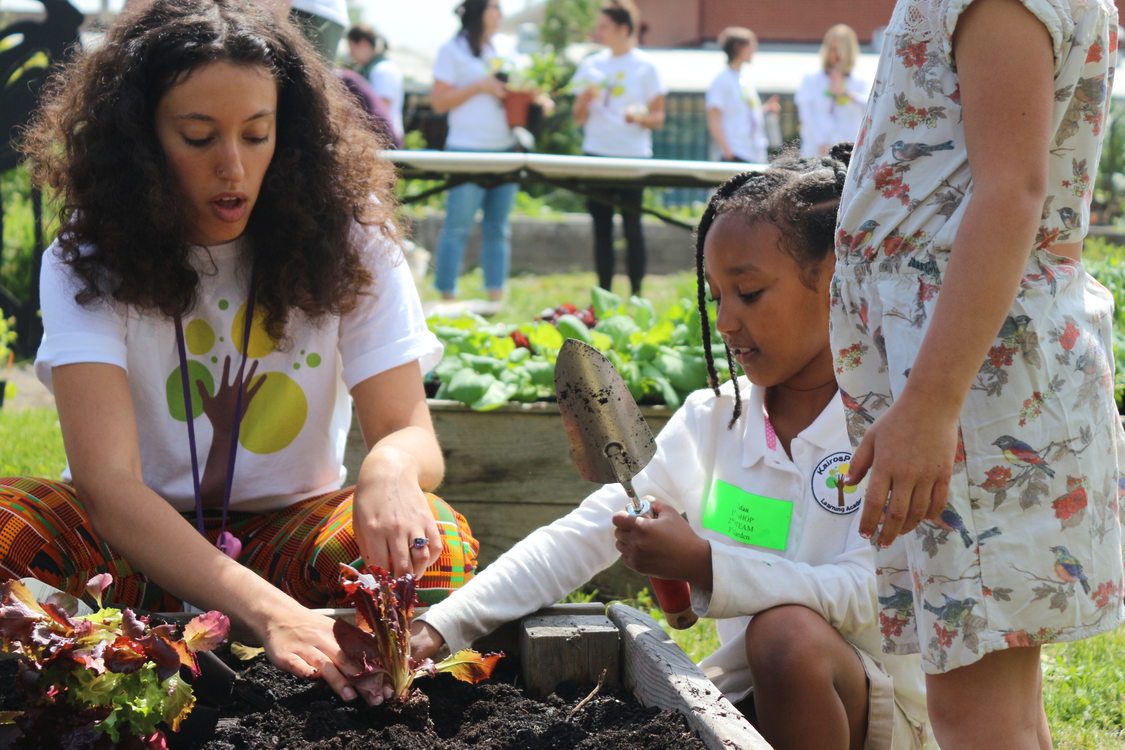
(610, 442)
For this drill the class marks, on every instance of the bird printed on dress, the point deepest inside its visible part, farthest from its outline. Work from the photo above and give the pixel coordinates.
(1014, 328)
(855, 408)
(901, 601)
(903, 151)
(953, 611)
(1091, 90)
(862, 234)
(951, 521)
(1021, 454)
(1069, 217)
(1068, 568)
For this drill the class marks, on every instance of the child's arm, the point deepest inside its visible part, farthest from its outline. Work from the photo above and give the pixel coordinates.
(715, 128)
(539, 570)
(1006, 70)
(558, 558)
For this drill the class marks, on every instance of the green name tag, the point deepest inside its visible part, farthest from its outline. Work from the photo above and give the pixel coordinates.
(746, 517)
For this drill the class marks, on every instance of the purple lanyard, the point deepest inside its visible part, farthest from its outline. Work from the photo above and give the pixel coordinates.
(227, 542)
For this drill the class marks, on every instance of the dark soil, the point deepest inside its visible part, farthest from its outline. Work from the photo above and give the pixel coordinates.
(443, 713)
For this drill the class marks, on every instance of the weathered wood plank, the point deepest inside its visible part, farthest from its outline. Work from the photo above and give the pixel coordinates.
(660, 674)
(576, 648)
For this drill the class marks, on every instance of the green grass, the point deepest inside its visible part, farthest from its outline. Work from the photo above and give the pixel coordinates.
(32, 443)
(1084, 692)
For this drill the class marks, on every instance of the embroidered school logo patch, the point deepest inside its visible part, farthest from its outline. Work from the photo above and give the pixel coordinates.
(826, 479)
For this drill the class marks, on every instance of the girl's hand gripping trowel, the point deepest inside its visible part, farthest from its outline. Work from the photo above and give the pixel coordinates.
(610, 442)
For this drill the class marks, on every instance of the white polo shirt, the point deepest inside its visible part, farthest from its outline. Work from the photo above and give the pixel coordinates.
(717, 478)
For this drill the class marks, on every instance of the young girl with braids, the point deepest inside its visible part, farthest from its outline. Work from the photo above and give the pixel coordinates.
(226, 284)
(794, 596)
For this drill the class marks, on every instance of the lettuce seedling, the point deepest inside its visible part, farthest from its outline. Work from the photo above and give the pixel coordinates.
(108, 674)
(380, 639)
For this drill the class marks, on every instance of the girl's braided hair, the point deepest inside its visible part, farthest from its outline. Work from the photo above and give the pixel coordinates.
(94, 141)
(799, 196)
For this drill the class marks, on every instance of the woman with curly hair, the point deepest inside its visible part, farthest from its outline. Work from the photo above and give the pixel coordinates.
(226, 281)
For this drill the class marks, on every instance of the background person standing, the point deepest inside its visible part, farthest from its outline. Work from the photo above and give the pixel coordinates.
(735, 112)
(830, 102)
(466, 86)
(369, 51)
(620, 104)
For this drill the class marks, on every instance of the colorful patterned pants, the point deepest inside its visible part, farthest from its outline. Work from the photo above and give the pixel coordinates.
(45, 534)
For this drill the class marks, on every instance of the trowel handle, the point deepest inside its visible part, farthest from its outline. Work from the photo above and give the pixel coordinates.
(674, 598)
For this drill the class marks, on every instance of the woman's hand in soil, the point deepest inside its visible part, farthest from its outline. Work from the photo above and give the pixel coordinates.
(390, 512)
(663, 546)
(302, 642)
(425, 641)
(909, 453)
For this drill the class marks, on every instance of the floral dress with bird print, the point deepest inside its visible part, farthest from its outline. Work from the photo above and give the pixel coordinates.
(1028, 550)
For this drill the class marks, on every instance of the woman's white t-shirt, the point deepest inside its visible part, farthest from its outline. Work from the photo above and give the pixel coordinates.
(733, 93)
(623, 81)
(478, 123)
(295, 425)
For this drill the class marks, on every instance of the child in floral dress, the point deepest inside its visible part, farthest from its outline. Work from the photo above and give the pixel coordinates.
(993, 469)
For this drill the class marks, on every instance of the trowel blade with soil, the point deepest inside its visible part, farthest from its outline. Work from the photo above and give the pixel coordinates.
(599, 414)
(610, 442)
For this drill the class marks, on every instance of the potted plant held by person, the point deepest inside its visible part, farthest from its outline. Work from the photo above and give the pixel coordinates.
(531, 89)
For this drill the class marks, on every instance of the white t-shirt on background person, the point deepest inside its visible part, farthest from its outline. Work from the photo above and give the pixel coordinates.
(733, 93)
(623, 81)
(479, 123)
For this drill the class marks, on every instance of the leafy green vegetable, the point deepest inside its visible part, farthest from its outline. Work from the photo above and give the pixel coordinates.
(109, 673)
(660, 358)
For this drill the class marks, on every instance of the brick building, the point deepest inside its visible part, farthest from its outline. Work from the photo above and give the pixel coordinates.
(688, 23)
